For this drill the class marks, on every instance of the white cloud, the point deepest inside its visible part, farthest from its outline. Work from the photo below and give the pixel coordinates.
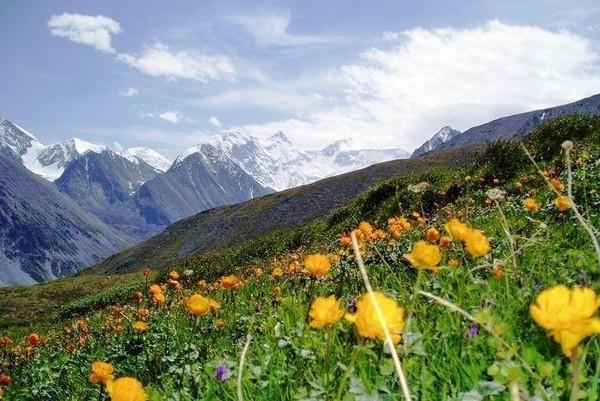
(273, 30)
(215, 121)
(89, 30)
(159, 60)
(420, 80)
(128, 92)
(171, 116)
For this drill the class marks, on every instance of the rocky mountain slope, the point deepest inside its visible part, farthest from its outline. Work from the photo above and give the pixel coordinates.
(43, 233)
(104, 184)
(201, 180)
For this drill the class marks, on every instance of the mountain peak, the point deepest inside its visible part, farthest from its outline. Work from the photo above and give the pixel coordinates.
(150, 156)
(278, 137)
(445, 134)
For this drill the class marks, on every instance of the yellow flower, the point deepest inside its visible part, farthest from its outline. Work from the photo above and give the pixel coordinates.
(568, 314)
(476, 243)
(398, 225)
(126, 389)
(140, 326)
(173, 275)
(199, 305)
(367, 322)
(102, 372)
(366, 228)
(325, 312)
(557, 184)
(457, 229)
(424, 256)
(277, 272)
(317, 264)
(562, 203)
(531, 205)
(159, 298)
(230, 282)
(433, 235)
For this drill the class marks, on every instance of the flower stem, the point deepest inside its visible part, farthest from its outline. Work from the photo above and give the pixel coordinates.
(576, 364)
(240, 395)
(347, 374)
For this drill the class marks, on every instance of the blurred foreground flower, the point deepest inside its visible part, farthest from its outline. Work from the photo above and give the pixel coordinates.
(568, 314)
(325, 312)
(126, 389)
(367, 322)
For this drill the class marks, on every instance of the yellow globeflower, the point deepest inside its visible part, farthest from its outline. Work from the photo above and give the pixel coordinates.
(102, 372)
(366, 228)
(126, 389)
(433, 235)
(140, 326)
(231, 282)
(457, 229)
(325, 312)
(198, 305)
(562, 203)
(317, 264)
(424, 256)
(568, 314)
(367, 322)
(531, 205)
(557, 184)
(476, 243)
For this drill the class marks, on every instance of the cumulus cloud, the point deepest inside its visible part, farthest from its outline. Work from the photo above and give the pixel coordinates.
(160, 60)
(172, 116)
(273, 30)
(401, 92)
(128, 92)
(215, 121)
(89, 30)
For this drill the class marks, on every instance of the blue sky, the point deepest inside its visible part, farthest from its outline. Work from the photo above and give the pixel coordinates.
(384, 73)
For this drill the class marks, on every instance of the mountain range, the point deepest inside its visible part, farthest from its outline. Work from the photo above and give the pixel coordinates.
(137, 192)
(66, 206)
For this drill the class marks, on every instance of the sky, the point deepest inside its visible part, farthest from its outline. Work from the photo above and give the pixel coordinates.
(383, 73)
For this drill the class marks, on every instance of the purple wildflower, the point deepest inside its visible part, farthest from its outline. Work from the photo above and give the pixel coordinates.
(473, 330)
(352, 305)
(537, 287)
(222, 372)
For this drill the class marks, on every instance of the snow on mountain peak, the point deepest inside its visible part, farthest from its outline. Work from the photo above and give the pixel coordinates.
(81, 146)
(150, 156)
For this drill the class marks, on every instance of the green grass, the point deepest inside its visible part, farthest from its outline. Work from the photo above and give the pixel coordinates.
(287, 360)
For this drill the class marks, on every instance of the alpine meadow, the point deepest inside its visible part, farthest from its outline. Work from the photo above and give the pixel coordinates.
(265, 208)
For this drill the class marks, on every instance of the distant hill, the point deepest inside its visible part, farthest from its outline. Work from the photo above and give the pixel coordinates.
(518, 125)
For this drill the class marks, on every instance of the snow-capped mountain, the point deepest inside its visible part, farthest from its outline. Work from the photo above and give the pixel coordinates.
(276, 163)
(150, 156)
(46, 161)
(442, 136)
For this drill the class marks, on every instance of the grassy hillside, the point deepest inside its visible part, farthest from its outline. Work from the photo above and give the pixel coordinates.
(477, 340)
